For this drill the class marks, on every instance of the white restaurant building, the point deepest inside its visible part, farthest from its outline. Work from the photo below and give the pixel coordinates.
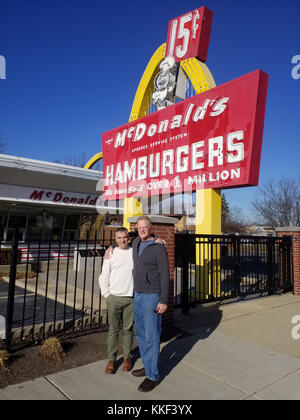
(49, 201)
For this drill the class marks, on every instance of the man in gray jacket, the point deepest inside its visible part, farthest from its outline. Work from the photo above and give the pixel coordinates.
(151, 278)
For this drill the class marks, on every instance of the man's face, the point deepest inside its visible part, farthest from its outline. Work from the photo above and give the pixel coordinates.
(144, 230)
(122, 240)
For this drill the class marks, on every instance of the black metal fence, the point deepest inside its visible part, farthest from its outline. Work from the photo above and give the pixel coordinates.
(51, 289)
(217, 267)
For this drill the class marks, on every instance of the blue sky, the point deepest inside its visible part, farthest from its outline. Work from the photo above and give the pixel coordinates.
(73, 68)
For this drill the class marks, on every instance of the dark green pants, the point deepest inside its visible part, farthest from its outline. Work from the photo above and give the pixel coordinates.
(120, 310)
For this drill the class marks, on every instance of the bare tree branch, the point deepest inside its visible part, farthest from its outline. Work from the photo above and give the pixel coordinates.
(278, 204)
(2, 146)
(75, 160)
(79, 160)
(232, 219)
(235, 222)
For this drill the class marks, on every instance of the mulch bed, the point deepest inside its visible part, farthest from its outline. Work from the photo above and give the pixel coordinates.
(27, 364)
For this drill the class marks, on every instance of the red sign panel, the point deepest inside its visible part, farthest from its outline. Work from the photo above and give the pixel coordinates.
(212, 140)
(188, 35)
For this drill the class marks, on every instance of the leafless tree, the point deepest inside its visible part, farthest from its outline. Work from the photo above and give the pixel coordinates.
(2, 145)
(235, 222)
(76, 160)
(278, 203)
(79, 160)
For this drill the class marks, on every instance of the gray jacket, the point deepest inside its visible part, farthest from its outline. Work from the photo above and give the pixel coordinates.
(151, 270)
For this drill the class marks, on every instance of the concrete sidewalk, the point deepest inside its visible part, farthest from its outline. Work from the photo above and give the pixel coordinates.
(233, 351)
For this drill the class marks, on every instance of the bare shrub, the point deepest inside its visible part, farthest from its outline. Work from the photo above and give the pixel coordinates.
(52, 350)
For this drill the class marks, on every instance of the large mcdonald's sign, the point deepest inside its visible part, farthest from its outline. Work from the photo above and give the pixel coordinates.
(212, 140)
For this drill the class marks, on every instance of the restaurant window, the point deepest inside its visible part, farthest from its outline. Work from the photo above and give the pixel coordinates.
(3, 222)
(71, 227)
(17, 218)
(45, 226)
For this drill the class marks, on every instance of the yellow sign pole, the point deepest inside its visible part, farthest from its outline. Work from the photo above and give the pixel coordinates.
(208, 222)
(208, 212)
(132, 207)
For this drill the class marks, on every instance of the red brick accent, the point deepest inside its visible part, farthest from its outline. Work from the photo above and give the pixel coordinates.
(167, 233)
(296, 255)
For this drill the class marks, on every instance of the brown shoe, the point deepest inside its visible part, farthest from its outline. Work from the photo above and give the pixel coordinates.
(127, 365)
(139, 372)
(147, 385)
(110, 368)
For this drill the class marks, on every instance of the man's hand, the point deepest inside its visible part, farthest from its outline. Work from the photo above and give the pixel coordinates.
(160, 241)
(108, 252)
(161, 308)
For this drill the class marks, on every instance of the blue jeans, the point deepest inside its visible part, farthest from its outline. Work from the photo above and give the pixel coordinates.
(147, 325)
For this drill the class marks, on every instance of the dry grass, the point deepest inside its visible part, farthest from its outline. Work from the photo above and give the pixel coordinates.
(4, 357)
(52, 350)
(19, 275)
(22, 275)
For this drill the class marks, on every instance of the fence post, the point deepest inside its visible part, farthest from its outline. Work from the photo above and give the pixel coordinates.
(11, 287)
(185, 275)
(294, 254)
(237, 264)
(289, 265)
(271, 283)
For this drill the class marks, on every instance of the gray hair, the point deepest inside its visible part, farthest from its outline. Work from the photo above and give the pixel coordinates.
(123, 230)
(140, 218)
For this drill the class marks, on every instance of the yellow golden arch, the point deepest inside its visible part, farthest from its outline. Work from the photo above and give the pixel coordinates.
(208, 201)
(197, 72)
